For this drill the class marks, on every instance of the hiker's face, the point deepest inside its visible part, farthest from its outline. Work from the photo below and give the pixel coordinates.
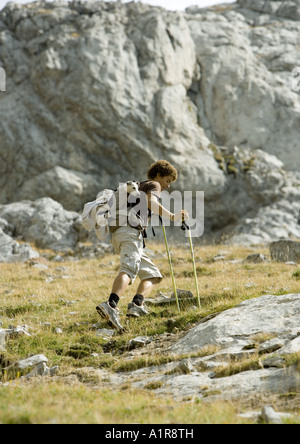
(165, 181)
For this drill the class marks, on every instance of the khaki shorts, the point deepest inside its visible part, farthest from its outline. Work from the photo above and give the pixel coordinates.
(128, 242)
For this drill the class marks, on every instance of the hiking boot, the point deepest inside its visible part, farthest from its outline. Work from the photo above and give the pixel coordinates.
(136, 311)
(110, 314)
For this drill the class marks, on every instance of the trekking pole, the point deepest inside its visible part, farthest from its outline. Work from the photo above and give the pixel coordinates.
(186, 226)
(170, 262)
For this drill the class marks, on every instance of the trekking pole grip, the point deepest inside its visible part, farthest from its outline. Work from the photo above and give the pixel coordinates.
(185, 226)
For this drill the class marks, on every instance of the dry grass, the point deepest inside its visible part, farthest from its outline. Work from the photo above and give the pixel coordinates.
(65, 403)
(65, 294)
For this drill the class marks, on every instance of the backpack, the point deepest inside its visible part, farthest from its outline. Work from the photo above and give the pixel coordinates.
(99, 214)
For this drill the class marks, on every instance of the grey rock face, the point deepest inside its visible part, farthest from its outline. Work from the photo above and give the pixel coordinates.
(233, 328)
(95, 92)
(247, 52)
(43, 222)
(104, 91)
(12, 251)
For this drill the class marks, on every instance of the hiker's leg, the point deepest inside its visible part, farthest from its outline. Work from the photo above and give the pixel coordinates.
(150, 276)
(146, 286)
(129, 243)
(120, 283)
(108, 310)
(119, 286)
(136, 308)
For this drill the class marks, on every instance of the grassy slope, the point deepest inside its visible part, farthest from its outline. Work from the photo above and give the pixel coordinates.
(65, 295)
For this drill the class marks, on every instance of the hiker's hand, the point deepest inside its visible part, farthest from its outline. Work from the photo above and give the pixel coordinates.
(181, 216)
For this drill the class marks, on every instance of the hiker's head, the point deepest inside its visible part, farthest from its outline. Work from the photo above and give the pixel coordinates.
(163, 172)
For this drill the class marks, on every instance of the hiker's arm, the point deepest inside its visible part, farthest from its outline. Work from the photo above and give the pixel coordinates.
(158, 209)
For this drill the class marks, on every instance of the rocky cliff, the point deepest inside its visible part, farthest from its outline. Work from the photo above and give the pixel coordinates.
(96, 91)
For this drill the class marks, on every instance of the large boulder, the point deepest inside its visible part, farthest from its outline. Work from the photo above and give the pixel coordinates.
(236, 327)
(263, 333)
(285, 251)
(13, 251)
(44, 223)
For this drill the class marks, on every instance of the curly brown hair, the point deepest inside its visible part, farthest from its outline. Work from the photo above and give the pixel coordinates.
(163, 168)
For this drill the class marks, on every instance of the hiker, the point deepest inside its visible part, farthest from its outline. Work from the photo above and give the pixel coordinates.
(128, 241)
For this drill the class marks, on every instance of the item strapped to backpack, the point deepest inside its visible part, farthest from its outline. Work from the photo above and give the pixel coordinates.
(103, 212)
